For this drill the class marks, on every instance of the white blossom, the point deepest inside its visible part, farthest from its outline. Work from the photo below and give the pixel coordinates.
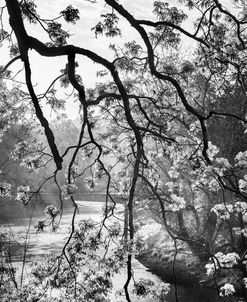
(171, 186)
(245, 282)
(212, 151)
(241, 159)
(227, 290)
(51, 211)
(240, 207)
(178, 203)
(32, 163)
(19, 151)
(223, 163)
(195, 127)
(23, 194)
(173, 173)
(227, 260)
(221, 260)
(244, 232)
(243, 184)
(5, 189)
(222, 210)
(210, 267)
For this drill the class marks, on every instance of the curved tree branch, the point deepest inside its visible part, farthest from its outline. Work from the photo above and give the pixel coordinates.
(134, 23)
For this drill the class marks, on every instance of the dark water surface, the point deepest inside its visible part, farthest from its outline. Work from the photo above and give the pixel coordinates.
(47, 242)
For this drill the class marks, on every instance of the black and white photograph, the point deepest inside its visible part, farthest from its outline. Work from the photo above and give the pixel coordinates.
(123, 151)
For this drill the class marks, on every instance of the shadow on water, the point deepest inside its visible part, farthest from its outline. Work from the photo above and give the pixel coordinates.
(192, 294)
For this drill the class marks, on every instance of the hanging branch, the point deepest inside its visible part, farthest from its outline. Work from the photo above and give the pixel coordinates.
(17, 25)
(43, 121)
(135, 24)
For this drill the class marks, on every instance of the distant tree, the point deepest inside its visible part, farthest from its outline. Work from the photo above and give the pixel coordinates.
(15, 126)
(12, 172)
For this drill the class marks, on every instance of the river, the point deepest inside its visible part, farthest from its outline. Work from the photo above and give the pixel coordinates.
(52, 242)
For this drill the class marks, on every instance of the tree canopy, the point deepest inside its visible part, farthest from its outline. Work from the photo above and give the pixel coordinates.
(164, 129)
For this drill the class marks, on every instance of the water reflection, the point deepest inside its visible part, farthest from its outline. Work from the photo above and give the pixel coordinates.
(192, 294)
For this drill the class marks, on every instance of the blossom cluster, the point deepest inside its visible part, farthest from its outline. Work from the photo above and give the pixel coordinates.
(245, 282)
(51, 211)
(32, 163)
(244, 232)
(5, 189)
(227, 290)
(19, 151)
(243, 184)
(210, 267)
(178, 203)
(223, 210)
(23, 195)
(241, 159)
(227, 260)
(221, 260)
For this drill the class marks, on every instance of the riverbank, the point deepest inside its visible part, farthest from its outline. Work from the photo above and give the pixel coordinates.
(40, 245)
(178, 265)
(45, 243)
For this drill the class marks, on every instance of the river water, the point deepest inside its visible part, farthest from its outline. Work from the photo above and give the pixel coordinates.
(52, 242)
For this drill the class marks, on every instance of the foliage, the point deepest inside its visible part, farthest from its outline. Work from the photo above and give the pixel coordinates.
(161, 129)
(80, 274)
(108, 26)
(70, 14)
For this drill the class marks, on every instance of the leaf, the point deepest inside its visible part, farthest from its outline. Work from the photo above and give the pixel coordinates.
(70, 14)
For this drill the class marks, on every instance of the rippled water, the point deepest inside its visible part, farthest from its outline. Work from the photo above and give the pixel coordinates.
(52, 242)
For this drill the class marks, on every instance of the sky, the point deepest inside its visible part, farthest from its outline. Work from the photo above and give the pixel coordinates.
(44, 70)
(83, 36)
